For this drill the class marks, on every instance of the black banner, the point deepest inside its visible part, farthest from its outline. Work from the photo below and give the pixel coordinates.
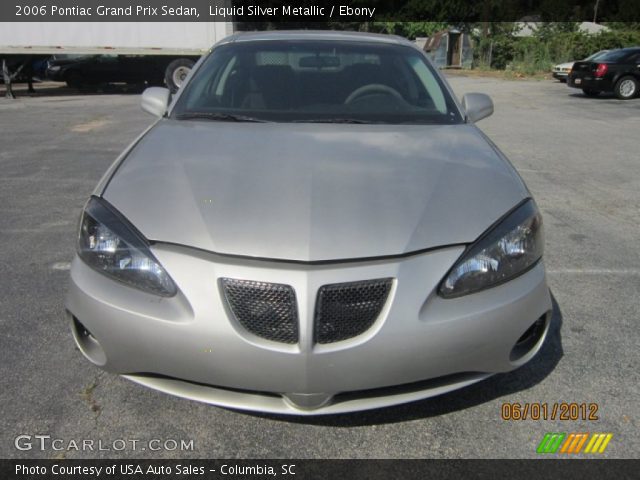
(318, 469)
(318, 11)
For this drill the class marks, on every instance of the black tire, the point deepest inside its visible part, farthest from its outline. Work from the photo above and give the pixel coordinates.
(176, 72)
(74, 79)
(626, 88)
(590, 93)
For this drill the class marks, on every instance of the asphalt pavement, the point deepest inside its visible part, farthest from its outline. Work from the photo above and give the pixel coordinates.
(580, 158)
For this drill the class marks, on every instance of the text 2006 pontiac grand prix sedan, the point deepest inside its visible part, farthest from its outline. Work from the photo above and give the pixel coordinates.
(313, 225)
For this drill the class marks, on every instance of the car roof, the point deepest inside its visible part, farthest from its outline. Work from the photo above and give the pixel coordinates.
(334, 35)
(626, 49)
(625, 52)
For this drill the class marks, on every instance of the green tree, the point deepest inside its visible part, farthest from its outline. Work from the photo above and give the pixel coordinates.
(409, 30)
(626, 26)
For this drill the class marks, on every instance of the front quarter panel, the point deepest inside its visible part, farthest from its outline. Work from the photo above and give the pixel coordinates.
(106, 178)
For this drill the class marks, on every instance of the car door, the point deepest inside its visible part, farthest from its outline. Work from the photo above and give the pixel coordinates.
(635, 64)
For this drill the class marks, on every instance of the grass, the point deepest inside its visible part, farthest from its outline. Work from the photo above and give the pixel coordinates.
(507, 74)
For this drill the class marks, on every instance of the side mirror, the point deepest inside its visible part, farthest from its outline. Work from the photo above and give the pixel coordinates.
(155, 101)
(477, 106)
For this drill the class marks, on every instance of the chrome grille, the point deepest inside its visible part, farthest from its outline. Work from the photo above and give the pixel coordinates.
(345, 310)
(267, 310)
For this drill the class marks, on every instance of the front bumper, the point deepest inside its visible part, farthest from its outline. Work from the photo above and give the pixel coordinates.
(560, 75)
(421, 345)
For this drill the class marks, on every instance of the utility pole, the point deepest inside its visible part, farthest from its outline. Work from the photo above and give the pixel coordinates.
(595, 11)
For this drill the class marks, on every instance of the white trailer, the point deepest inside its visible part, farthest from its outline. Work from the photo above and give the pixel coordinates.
(175, 44)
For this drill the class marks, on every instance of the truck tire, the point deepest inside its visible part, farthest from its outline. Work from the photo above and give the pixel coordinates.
(176, 72)
(626, 88)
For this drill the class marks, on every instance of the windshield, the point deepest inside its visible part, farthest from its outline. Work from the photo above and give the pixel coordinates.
(317, 81)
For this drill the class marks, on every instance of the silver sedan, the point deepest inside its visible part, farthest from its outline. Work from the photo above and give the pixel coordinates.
(313, 225)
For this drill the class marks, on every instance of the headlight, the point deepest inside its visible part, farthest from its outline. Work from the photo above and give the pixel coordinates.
(109, 244)
(507, 250)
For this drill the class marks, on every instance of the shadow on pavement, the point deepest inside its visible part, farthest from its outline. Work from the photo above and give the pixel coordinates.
(500, 385)
(602, 96)
(52, 89)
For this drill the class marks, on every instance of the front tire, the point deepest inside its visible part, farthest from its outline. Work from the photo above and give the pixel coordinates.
(590, 93)
(626, 88)
(176, 73)
(74, 79)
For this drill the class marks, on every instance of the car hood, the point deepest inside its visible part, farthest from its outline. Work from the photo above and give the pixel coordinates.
(564, 65)
(313, 192)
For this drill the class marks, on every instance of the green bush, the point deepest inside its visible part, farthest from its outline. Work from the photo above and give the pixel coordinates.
(540, 52)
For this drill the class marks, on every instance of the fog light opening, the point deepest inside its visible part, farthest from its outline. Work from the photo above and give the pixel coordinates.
(88, 343)
(530, 339)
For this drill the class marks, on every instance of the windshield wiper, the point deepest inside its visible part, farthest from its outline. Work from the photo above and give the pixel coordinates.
(332, 120)
(218, 116)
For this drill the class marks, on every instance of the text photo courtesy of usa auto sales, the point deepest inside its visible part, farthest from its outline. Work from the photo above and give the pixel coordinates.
(257, 239)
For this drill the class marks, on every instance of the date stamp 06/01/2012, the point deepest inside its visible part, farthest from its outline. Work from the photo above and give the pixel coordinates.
(549, 411)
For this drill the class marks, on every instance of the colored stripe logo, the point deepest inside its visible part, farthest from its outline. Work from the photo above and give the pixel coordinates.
(573, 443)
(598, 443)
(550, 442)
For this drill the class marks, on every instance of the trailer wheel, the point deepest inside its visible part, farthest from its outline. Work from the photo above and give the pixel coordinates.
(176, 72)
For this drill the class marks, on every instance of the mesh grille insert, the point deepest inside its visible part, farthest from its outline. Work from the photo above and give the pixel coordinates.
(267, 310)
(345, 310)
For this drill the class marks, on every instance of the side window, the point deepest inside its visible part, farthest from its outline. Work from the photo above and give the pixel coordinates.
(207, 93)
(222, 81)
(430, 82)
(107, 58)
(408, 83)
